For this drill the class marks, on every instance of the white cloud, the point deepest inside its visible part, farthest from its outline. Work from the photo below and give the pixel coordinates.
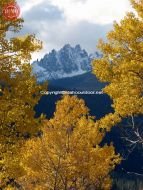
(95, 11)
(57, 22)
(27, 5)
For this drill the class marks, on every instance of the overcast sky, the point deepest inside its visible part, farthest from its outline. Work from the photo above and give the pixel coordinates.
(58, 22)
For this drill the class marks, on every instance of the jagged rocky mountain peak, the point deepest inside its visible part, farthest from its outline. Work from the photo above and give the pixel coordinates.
(67, 62)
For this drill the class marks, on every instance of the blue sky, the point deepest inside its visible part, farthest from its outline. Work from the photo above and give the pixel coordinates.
(57, 22)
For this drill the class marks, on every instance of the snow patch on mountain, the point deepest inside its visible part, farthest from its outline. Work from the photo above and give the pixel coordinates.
(67, 62)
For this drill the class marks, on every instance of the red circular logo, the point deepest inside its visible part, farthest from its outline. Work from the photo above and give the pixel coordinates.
(11, 11)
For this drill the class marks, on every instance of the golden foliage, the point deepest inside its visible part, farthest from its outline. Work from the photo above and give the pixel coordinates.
(122, 63)
(19, 93)
(69, 155)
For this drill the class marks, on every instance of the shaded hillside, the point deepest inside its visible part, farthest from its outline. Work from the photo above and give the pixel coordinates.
(99, 106)
(86, 81)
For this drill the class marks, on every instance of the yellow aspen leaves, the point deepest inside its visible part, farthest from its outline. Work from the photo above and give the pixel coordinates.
(122, 63)
(68, 154)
